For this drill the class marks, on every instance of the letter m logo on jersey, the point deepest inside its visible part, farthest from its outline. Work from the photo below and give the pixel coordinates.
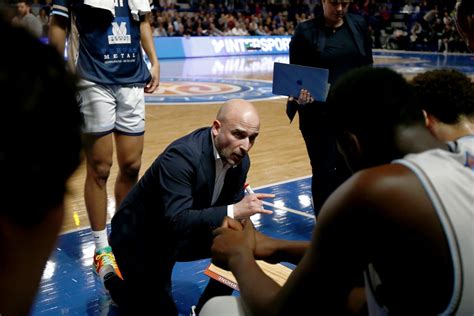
(119, 34)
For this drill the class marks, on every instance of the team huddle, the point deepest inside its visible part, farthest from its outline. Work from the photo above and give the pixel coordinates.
(392, 180)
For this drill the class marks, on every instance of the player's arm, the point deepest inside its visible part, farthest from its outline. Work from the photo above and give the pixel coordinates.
(334, 263)
(58, 29)
(328, 272)
(277, 250)
(148, 45)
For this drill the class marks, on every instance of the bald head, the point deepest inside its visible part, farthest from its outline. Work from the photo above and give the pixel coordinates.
(237, 109)
(235, 129)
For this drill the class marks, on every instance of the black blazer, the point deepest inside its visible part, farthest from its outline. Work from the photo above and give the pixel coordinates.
(170, 207)
(309, 42)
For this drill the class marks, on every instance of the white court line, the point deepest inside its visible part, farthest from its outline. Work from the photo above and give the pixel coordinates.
(283, 208)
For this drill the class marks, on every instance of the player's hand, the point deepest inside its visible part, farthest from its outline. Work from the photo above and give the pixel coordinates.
(266, 248)
(232, 244)
(153, 84)
(231, 223)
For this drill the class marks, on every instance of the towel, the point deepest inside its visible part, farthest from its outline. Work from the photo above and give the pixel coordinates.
(108, 5)
(137, 7)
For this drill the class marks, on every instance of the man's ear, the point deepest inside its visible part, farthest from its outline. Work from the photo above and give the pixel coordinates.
(351, 144)
(350, 147)
(427, 120)
(216, 126)
(431, 123)
(354, 145)
(430, 120)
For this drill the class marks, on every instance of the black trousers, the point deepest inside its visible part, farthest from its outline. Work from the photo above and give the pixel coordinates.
(131, 295)
(328, 166)
(135, 299)
(140, 272)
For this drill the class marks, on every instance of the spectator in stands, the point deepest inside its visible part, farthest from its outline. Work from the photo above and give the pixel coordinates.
(424, 7)
(408, 8)
(253, 26)
(198, 32)
(446, 18)
(263, 30)
(43, 17)
(35, 161)
(398, 39)
(290, 28)
(280, 31)
(339, 42)
(26, 19)
(181, 31)
(417, 38)
(446, 38)
(407, 224)
(238, 30)
(385, 16)
(430, 16)
(159, 30)
(214, 31)
(171, 31)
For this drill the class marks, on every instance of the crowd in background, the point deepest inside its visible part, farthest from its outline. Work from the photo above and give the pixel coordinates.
(394, 24)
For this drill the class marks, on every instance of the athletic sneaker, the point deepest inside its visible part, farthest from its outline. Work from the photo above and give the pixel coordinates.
(105, 264)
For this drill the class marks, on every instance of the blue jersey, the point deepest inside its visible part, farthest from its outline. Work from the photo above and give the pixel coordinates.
(110, 52)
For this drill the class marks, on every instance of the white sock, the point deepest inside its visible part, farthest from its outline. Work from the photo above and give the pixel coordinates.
(100, 239)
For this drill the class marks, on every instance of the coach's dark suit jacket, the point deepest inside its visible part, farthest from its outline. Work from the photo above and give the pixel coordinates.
(169, 211)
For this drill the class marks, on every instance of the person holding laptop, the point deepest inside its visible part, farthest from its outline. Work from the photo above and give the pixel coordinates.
(339, 42)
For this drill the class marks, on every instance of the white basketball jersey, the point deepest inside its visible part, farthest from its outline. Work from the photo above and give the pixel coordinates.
(448, 179)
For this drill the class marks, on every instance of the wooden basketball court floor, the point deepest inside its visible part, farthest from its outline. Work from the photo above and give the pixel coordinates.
(190, 94)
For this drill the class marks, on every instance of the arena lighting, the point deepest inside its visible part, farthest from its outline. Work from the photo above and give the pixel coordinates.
(49, 270)
(304, 200)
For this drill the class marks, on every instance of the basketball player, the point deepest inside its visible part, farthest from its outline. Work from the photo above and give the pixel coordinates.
(39, 149)
(114, 78)
(447, 99)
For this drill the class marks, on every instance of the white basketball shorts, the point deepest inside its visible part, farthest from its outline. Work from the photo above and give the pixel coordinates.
(114, 108)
